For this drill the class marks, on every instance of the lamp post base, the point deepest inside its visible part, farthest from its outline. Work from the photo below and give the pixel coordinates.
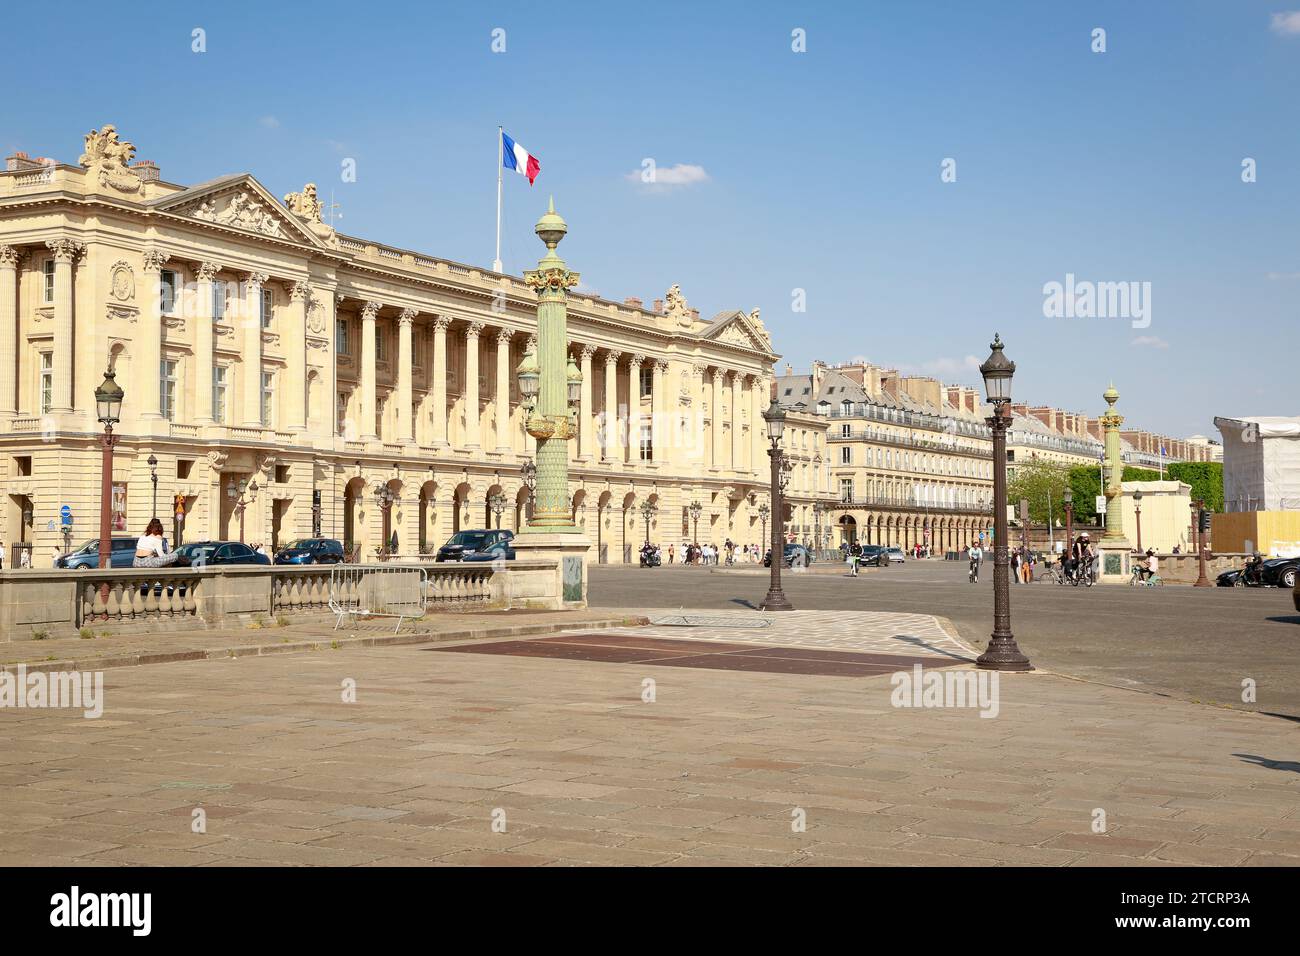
(1003, 654)
(775, 601)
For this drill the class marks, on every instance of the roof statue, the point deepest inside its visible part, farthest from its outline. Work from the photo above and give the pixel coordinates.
(675, 306)
(108, 155)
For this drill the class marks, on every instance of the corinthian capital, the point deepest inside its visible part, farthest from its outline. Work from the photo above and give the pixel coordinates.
(155, 260)
(370, 310)
(441, 322)
(504, 336)
(407, 316)
(473, 330)
(207, 271)
(65, 250)
(256, 279)
(8, 257)
(612, 357)
(300, 290)
(587, 352)
(636, 359)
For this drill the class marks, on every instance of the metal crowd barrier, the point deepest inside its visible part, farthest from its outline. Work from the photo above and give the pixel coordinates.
(378, 590)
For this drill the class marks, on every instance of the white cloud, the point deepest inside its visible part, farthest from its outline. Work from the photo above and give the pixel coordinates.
(270, 122)
(1154, 341)
(1286, 24)
(670, 177)
(946, 368)
(1275, 276)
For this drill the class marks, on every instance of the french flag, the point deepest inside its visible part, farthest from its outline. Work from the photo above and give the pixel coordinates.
(514, 156)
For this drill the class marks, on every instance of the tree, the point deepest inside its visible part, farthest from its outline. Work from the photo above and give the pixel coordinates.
(1205, 477)
(1043, 483)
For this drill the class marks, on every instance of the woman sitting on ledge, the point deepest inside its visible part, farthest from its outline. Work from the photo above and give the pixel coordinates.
(151, 550)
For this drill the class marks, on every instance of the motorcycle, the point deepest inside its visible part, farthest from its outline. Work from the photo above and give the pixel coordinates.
(650, 557)
(1251, 576)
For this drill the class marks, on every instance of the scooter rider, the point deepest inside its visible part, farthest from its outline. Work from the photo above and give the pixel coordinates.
(1081, 555)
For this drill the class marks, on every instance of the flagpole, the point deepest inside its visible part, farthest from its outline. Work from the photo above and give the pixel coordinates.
(501, 159)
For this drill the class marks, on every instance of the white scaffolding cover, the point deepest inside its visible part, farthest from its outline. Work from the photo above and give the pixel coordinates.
(1261, 463)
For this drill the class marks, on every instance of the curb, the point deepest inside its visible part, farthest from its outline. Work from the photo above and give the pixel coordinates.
(332, 643)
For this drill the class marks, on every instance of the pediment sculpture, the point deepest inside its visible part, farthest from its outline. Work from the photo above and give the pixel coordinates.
(242, 211)
(305, 205)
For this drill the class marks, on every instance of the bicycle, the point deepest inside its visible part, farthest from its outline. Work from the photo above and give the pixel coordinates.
(974, 573)
(1051, 572)
(1135, 579)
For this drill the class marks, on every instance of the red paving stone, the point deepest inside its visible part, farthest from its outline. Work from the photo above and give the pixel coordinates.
(665, 652)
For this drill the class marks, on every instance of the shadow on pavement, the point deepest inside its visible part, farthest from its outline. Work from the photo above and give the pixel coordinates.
(1288, 765)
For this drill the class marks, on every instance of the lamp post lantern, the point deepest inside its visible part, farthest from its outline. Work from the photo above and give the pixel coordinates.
(763, 511)
(497, 502)
(1003, 654)
(776, 599)
(153, 477)
(385, 498)
(236, 494)
(551, 383)
(528, 474)
(108, 406)
(1137, 515)
(695, 510)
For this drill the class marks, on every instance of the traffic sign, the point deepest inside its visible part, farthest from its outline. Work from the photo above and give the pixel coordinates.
(65, 512)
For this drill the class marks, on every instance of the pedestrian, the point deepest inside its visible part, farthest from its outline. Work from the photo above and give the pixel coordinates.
(1015, 565)
(2, 555)
(262, 550)
(151, 550)
(671, 553)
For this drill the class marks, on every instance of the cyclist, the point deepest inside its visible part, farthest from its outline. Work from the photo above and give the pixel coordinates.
(1081, 555)
(976, 556)
(1147, 569)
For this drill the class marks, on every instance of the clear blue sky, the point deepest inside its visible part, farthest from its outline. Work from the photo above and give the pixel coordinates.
(822, 167)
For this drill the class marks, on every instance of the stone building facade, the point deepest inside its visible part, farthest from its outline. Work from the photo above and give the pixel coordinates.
(257, 344)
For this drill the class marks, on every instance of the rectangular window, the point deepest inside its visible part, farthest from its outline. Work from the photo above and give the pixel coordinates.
(47, 382)
(340, 412)
(341, 336)
(169, 281)
(218, 301)
(846, 490)
(47, 270)
(167, 389)
(647, 380)
(381, 351)
(268, 399)
(647, 445)
(267, 303)
(219, 394)
(846, 431)
(846, 455)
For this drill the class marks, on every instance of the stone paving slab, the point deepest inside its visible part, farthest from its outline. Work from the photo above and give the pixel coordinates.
(469, 759)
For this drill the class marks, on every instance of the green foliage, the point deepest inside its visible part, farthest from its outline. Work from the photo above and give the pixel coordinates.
(1085, 484)
(1205, 477)
(1043, 483)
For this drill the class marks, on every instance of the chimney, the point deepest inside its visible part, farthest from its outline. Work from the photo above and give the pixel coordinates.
(21, 162)
(632, 302)
(818, 376)
(147, 170)
(695, 315)
(659, 307)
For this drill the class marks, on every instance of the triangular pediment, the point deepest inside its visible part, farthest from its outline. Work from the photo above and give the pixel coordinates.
(240, 202)
(737, 328)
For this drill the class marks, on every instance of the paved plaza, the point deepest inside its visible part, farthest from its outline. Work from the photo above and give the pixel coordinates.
(751, 739)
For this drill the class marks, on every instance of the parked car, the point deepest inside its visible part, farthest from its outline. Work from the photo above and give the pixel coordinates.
(86, 557)
(311, 551)
(788, 556)
(875, 554)
(1275, 573)
(1295, 594)
(895, 554)
(213, 553)
(479, 544)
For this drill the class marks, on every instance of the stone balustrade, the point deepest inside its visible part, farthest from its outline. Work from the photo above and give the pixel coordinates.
(56, 602)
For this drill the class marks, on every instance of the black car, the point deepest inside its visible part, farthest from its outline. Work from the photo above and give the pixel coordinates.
(200, 554)
(790, 551)
(1275, 573)
(311, 551)
(874, 554)
(481, 544)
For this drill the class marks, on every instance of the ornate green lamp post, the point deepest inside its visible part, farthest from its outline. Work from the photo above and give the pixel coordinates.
(1114, 472)
(549, 382)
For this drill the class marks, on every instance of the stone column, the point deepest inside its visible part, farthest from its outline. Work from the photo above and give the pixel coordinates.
(439, 385)
(611, 405)
(471, 385)
(366, 374)
(405, 360)
(65, 251)
(201, 387)
(8, 331)
(149, 353)
(757, 427)
(737, 425)
(503, 391)
(253, 283)
(586, 415)
(657, 406)
(634, 406)
(294, 343)
(715, 419)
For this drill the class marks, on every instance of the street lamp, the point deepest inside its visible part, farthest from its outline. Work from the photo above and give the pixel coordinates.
(648, 511)
(1003, 654)
(1137, 514)
(236, 494)
(528, 473)
(1202, 581)
(497, 502)
(108, 405)
(1069, 518)
(695, 510)
(763, 511)
(153, 477)
(776, 599)
(385, 498)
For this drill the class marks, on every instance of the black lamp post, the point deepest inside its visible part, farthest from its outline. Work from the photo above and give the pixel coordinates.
(1137, 514)
(1069, 519)
(108, 405)
(1003, 654)
(153, 477)
(528, 472)
(236, 494)
(385, 498)
(695, 510)
(776, 599)
(763, 511)
(648, 511)
(497, 502)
